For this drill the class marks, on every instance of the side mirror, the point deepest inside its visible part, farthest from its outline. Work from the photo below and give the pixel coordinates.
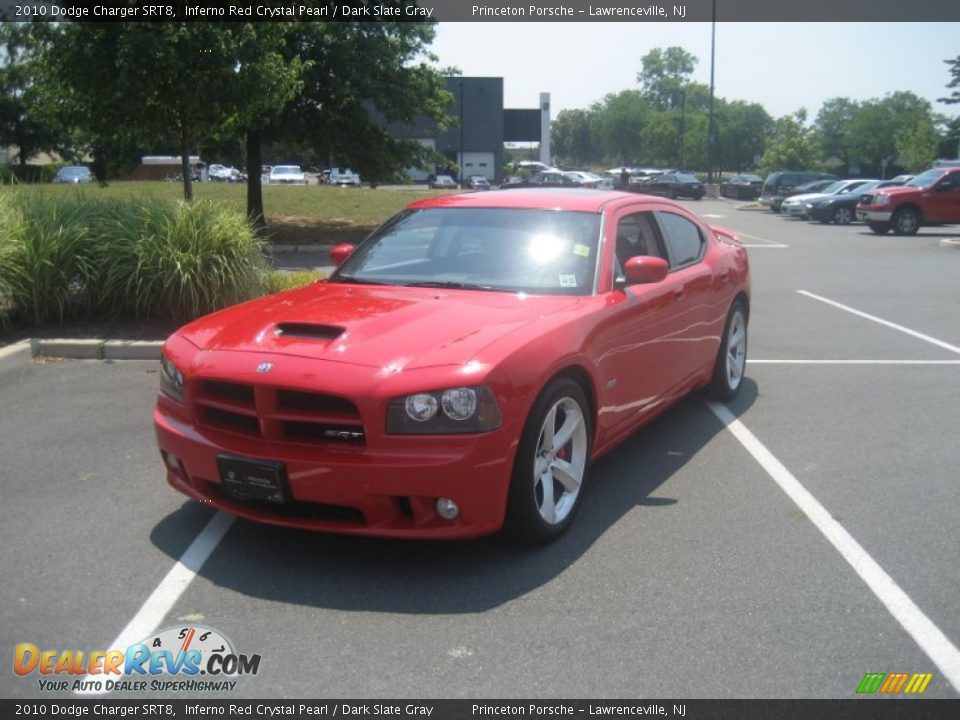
(339, 253)
(645, 269)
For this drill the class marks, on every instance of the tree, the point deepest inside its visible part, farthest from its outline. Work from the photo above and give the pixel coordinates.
(664, 74)
(617, 123)
(833, 128)
(24, 121)
(187, 81)
(954, 97)
(917, 146)
(571, 137)
(874, 128)
(743, 131)
(791, 146)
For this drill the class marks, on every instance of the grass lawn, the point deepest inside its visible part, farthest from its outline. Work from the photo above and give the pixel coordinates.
(295, 214)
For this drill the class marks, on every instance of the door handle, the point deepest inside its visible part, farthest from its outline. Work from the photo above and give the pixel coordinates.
(678, 291)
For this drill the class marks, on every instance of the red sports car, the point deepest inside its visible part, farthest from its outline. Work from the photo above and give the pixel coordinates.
(461, 368)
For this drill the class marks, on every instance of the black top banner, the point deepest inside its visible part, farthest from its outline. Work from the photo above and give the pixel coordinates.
(491, 11)
(887, 709)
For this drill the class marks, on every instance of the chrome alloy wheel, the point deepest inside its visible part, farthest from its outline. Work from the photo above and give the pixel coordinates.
(560, 462)
(736, 349)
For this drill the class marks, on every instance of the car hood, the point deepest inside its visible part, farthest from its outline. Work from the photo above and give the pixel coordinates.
(376, 326)
(805, 197)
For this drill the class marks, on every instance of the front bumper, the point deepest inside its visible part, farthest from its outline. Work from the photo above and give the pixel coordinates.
(388, 492)
(874, 215)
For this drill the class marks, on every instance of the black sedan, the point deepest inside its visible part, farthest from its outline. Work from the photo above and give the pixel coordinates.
(742, 187)
(842, 209)
(674, 185)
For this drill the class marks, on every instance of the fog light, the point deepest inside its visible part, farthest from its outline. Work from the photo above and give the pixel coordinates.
(447, 508)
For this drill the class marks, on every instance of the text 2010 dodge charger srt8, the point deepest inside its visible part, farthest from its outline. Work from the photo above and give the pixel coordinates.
(460, 369)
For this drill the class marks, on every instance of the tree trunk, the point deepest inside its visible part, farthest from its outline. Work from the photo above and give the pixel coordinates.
(254, 184)
(185, 168)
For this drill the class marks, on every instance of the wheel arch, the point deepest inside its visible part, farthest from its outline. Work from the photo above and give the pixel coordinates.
(909, 206)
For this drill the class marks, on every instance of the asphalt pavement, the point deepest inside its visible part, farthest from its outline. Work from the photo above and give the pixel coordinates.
(696, 567)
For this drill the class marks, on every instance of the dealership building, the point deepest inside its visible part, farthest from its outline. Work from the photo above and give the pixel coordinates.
(475, 142)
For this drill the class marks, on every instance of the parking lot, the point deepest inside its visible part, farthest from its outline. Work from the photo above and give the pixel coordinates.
(781, 547)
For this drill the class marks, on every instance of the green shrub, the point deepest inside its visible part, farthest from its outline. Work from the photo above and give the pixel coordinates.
(275, 281)
(179, 261)
(45, 256)
(68, 256)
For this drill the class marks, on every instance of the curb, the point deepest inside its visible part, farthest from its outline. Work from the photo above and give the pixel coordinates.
(85, 349)
(950, 243)
(14, 355)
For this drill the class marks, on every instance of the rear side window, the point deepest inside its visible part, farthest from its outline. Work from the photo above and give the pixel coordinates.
(683, 239)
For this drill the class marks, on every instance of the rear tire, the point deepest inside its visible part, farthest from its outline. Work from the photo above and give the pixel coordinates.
(731, 362)
(843, 216)
(551, 465)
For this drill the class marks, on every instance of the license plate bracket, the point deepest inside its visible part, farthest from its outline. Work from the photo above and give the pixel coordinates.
(248, 479)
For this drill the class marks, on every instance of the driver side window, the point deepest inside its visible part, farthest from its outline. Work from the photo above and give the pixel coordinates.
(636, 235)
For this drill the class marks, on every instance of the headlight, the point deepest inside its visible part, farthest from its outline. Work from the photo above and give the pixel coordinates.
(171, 379)
(880, 200)
(455, 410)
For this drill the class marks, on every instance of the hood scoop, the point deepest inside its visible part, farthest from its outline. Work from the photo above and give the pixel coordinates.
(308, 331)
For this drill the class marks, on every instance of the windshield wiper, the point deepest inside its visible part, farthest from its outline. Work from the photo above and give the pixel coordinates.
(355, 280)
(449, 284)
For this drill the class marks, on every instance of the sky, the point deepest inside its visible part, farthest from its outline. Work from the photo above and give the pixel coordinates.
(783, 66)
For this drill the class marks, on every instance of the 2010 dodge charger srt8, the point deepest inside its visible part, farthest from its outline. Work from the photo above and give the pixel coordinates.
(460, 369)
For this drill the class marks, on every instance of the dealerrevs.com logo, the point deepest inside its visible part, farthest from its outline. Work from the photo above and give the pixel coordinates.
(183, 659)
(894, 683)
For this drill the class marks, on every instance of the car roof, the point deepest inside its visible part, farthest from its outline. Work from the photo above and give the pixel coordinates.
(574, 199)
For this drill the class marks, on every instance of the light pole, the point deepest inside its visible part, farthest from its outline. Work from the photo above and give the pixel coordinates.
(460, 159)
(711, 131)
(683, 123)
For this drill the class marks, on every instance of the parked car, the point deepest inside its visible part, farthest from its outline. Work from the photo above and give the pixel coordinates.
(674, 185)
(931, 198)
(585, 179)
(796, 205)
(225, 173)
(344, 178)
(782, 184)
(73, 174)
(742, 187)
(547, 178)
(477, 182)
(287, 175)
(841, 208)
(443, 182)
(459, 370)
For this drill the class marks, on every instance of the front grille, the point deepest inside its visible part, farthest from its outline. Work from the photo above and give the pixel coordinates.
(279, 414)
(866, 199)
(322, 512)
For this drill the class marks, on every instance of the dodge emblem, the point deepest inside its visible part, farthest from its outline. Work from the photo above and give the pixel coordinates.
(264, 367)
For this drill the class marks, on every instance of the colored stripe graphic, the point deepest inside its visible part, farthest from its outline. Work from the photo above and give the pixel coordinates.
(894, 683)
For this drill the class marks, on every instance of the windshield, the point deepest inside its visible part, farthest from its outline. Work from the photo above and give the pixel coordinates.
(73, 171)
(506, 249)
(927, 178)
(686, 178)
(286, 170)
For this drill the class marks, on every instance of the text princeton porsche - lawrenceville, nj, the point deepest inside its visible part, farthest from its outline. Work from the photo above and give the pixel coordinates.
(535, 11)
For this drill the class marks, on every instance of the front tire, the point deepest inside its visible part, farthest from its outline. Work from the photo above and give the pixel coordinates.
(731, 362)
(551, 464)
(906, 221)
(880, 228)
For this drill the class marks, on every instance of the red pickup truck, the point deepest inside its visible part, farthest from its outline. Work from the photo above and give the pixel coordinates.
(931, 198)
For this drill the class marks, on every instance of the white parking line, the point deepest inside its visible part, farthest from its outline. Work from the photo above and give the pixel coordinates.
(928, 636)
(166, 594)
(766, 243)
(881, 321)
(852, 362)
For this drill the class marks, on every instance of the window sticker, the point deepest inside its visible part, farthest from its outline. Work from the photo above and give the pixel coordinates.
(568, 281)
(581, 249)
